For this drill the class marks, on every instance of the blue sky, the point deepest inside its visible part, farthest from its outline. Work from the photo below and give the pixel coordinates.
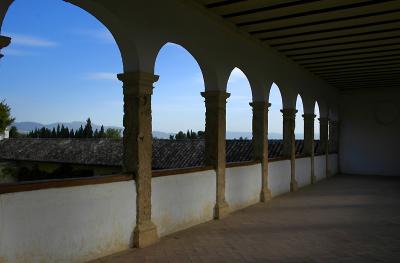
(62, 66)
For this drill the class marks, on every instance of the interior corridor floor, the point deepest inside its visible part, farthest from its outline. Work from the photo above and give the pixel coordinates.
(342, 219)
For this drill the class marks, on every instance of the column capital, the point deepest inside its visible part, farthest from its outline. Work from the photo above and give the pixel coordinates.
(217, 94)
(137, 83)
(261, 105)
(334, 122)
(323, 119)
(309, 116)
(289, 114)
(4, 41)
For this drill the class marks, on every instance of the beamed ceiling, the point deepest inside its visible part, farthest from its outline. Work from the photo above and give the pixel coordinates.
(349, 43)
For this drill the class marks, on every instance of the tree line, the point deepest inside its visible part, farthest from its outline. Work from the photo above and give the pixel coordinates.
(82, 132)
(189, 135)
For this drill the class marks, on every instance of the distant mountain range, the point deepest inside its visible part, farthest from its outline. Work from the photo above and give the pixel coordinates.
(26, 127)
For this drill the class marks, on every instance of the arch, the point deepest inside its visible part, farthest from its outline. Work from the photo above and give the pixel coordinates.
(51, 78)
(308, 103)
(275, 118)
(323, 108)
(288, 95)
(299, 125)
(215, 75)
(172, 112)
(238, 110)
(316, 121)
(187, 48)
(126, 46)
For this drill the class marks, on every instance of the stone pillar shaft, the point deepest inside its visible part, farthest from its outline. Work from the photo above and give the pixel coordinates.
(334, 135)
(215, 132)
(323, 125)
(137, 157)
(289, 143)
(260, 144)
(309, 141)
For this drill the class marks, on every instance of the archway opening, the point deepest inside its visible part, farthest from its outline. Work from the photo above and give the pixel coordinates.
(275, 119)
(55, 80)
(299, 128)
(238, 110)
(316, 122)
(275, 122)
(178, 110)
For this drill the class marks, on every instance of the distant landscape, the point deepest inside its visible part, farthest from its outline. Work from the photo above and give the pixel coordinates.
(26, 127)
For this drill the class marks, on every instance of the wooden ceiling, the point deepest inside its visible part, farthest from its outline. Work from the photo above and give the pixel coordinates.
(351, 44)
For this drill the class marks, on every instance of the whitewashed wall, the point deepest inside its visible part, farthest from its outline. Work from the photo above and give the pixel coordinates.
(303, 171)
(77, 224)
(73, 224)
(320, 167)
(369, 131)
(181, 201)
(333, 164)
(5, 134)
(243, 186)
(279, 177)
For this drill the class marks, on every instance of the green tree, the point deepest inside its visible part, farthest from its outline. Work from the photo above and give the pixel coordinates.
(180, 136)
(201, 134)
(102, 133)
(88, 130)
(58, 131)
(14, 132)
(113, 133)
(53, 133)
(5, 116)
(79, 132)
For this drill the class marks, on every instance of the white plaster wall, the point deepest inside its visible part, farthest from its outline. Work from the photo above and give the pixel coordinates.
(320, 167)
(5, 135)
(369, 132)
(303, 171)
(333, 164)
(279, 177)
(182, 201)
(73, 224)
(243, 186)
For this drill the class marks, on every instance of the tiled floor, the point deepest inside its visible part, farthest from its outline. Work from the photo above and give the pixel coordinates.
(343, 219)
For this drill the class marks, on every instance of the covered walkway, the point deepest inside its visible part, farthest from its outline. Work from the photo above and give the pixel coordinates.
(342, 219)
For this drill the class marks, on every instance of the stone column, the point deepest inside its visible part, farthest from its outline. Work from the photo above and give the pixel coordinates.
(4, 41)
(323, 134)
(309, 142)
(137, 158)
(260, 144)
(215, 132)
(333, 135)
(289, 143)
(323, 122)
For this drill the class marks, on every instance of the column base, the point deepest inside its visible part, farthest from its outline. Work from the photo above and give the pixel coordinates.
(293, 186)
(145, 234)
(221, 210)
(265, 195)
(313, 179)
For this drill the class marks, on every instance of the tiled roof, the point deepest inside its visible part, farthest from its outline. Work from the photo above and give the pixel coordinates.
(167, 154)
